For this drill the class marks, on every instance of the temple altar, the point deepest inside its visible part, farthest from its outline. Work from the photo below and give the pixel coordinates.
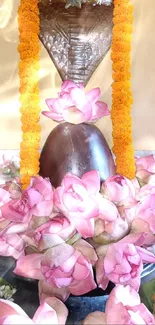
(77, 231)
(143, 67)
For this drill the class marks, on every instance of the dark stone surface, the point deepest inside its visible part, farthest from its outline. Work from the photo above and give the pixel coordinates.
(76, 149)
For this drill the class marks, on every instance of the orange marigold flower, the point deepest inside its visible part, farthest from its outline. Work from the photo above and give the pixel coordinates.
(29, 49)
(123, 27)
(121, 88)
(35, 126)
(25, 180)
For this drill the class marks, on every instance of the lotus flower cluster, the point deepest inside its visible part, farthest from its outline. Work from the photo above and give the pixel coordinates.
(51, 311)
(123, 307)
(62, 236)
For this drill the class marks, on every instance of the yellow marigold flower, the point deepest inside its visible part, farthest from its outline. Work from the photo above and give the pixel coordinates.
(27, 99)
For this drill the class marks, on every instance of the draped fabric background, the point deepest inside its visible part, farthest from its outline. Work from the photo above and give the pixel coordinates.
(143, 79)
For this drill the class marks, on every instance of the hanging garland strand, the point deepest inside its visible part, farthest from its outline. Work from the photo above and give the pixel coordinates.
(29, 50)
(121, 88)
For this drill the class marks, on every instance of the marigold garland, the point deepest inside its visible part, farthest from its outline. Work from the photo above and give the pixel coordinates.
(29, 49)
(121, 88)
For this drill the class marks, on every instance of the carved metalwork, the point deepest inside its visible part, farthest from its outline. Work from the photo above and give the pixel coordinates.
(76, 39)
(77, 3)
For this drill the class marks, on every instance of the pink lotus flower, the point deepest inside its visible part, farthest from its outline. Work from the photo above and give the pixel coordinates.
(80, 201)
(51, 311)
(37, 200)
(140, 226)
(63, 267)
(51, 233)
(95, 318)
(75, 106)
(146, 190)
(8, 191)
(46, 291)
(118, 189)
(13, 188)
(123, 307)
(145, 211)
(145, 167)
(11, 245)
(11, 240)
(142, 216)
(76, 199)
(108, 232)
(122, 262)
(4, 197)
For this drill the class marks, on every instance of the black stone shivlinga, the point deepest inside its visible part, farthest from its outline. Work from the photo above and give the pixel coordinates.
(76, 149)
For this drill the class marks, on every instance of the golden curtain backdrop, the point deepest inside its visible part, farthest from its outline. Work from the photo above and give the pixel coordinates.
(143, 79)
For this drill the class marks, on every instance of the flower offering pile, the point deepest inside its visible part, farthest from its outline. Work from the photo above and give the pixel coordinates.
(71, 228)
